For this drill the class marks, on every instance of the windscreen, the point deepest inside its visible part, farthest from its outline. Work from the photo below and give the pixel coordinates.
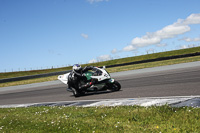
(96, 72)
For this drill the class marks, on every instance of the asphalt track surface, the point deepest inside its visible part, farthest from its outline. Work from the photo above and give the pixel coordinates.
(155, 82)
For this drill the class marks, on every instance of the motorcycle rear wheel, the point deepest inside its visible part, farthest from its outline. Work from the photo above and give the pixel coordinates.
(77, 93)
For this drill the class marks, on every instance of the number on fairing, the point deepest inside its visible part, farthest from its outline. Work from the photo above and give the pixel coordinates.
(106, 75)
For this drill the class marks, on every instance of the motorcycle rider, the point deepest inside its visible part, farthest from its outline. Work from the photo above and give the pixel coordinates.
(77, 74)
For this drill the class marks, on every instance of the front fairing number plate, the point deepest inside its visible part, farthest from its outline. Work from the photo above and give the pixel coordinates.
(111, 80)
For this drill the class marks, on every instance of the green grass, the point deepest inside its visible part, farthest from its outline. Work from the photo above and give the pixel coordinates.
(33, 72)
(105, 63)
(100, 119)
(28, 81)
(153, 64)
(110, 70)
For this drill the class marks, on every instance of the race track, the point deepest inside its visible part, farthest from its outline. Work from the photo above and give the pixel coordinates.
(155, 82)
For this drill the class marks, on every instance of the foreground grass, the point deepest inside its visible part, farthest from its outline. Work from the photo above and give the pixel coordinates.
(110, 70)
(100, 119)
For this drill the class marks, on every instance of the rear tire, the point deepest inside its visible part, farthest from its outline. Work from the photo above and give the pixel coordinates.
(76, 93)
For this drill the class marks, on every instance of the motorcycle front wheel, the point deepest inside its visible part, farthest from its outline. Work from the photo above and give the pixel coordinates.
(115, 86)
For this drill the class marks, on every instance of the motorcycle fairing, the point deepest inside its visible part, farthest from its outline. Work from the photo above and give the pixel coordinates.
(111, 80)
(64, 78)
(104, 75)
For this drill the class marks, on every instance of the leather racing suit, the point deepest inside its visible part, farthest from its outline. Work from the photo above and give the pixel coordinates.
(76, 76)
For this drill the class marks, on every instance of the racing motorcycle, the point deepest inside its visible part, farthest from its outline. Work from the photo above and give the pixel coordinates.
(103, 82)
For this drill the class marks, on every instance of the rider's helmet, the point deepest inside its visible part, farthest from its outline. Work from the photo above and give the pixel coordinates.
(76, 67)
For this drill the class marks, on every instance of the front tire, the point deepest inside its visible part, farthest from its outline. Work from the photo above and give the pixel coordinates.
(115, 86)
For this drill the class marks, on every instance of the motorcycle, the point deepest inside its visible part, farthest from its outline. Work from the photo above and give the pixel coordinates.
(103, 82)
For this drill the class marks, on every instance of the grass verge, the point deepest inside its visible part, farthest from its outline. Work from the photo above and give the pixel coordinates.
(105, 63)
(111, 70)
(154, 64)
(28, 81)
(100, 119)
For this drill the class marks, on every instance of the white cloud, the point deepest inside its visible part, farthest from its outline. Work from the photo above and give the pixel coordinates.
(101, 58)
(129, 48)
(114, 51)
(183, 46)
(192, 19)
(93, 1)
(144, 41)
(104, 58)
(84, 36)
(170, 31)
(92, 61)
(187, 39)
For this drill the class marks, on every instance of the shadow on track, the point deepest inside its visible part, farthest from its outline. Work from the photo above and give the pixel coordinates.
(95, 93)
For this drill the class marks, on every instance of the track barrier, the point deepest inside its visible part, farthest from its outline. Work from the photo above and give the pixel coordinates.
(109, 66)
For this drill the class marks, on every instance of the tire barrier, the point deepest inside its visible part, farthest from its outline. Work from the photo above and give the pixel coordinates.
(109, 66)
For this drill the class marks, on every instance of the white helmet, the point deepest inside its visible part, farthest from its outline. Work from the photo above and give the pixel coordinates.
(76, 67)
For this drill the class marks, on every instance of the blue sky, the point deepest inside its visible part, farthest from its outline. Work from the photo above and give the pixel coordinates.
(39, 34)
